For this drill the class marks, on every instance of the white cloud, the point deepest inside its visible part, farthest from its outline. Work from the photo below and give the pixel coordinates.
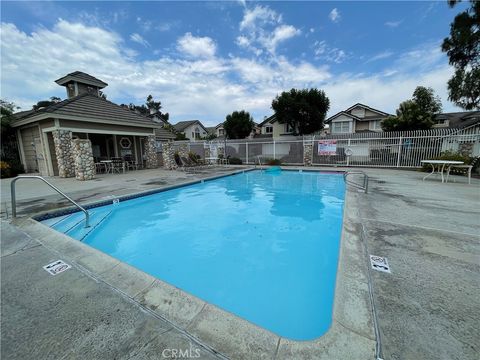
(393, 24)
(263, 30)
(139, 39)
(382, 55)
(334, 15)
(259, 16)
(323, 51)
(196, 46)
(200, 87)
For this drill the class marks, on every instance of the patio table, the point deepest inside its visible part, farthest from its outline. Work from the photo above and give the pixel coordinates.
(108, 164)
(442, 165)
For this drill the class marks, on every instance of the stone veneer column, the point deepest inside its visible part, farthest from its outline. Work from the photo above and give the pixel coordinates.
(151, 152)
(307, 153)
(183, 150)
(83, 155)
(62, 140)
(168, 154)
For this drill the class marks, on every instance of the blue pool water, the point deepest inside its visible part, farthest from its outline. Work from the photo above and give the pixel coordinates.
(261, 245)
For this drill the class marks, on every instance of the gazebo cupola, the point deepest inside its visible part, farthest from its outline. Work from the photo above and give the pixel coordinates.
(78, 83)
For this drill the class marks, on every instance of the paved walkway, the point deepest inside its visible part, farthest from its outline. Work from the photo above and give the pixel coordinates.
(72, 315)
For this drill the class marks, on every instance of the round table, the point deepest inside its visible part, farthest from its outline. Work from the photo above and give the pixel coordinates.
(441, 165)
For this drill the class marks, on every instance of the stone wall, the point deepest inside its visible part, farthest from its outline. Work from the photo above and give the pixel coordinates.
(168, 153)
(83, 158)
(151, 152)
(62, 140)
(466, 149)
(183, 150)
(307, 153)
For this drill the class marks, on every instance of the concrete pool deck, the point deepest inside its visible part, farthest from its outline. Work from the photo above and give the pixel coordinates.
(427, 308)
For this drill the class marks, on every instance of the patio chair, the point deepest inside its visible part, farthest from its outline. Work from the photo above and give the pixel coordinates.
(186, 163)
(101, 167)
(118, 165)
(130, 163)
(465, 169)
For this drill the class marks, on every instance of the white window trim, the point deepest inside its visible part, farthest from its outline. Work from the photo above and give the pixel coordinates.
(350, 127)
(372, 127)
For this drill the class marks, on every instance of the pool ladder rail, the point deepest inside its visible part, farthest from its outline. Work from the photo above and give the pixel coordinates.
(14, 200)
(259, 162)
(363, 187)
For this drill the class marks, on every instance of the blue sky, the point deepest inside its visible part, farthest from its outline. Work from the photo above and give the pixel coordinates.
(204, 60)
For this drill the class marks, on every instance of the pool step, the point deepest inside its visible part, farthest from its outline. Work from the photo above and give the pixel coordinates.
(79, 231)
(68, 222)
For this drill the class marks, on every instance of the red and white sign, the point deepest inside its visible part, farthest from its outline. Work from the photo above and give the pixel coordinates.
(327, 147)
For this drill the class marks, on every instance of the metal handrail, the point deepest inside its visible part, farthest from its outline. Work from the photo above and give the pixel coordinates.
(14, 201)
(259, 162)
(363, 187)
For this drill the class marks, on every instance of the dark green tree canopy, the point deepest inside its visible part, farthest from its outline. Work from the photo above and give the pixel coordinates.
(238, 125)
(150, 107)
(45, 103)
(303, 110)
(415, 114)
(463, 50)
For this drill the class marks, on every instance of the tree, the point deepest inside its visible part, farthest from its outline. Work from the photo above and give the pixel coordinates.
(11, 165)
(463, 50)
(238, 125)
(415, 114)
(303, 110)
(427, 101)
(150, 107)
(45, 103)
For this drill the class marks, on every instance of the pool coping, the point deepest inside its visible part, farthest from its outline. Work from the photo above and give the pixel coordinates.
(351, 334)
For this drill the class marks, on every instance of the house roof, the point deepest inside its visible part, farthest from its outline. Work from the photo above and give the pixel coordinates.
(88, 106)
(210, 129)
(81, 77)
(271, 119)
(342, 113)
(460, 119)
(368, 108)
(182, 125)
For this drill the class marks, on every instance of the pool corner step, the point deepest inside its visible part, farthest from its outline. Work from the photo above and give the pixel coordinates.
(79, 231)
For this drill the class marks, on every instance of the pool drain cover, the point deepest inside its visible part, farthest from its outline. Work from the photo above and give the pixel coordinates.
(379, 263)
(56, 267)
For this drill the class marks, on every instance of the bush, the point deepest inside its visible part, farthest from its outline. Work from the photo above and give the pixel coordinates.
(450, 155)
(235, 161)
(10, 169)
(194, 157)
(273, 162)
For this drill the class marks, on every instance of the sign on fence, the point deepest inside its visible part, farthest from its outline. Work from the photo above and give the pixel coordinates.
(327, 147)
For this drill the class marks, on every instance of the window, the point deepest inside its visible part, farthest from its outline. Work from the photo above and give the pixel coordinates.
(221, 132)
(288, 129)
(341, 127)
(376, 125)
(268, 129)
(197, 133)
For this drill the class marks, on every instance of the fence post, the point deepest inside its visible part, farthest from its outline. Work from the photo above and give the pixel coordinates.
(348, 157)
(274, 150)
(246, 153)
(399, 151)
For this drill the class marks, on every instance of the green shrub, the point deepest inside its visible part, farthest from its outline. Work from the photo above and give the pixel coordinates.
(273, 162)
(10, 168)
(235, 161)
(449, 155)
(193, 156)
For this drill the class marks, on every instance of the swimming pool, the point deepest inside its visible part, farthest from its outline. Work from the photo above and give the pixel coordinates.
(263, 246)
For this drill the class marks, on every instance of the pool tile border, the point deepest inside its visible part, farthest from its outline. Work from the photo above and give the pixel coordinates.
(351, 334)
